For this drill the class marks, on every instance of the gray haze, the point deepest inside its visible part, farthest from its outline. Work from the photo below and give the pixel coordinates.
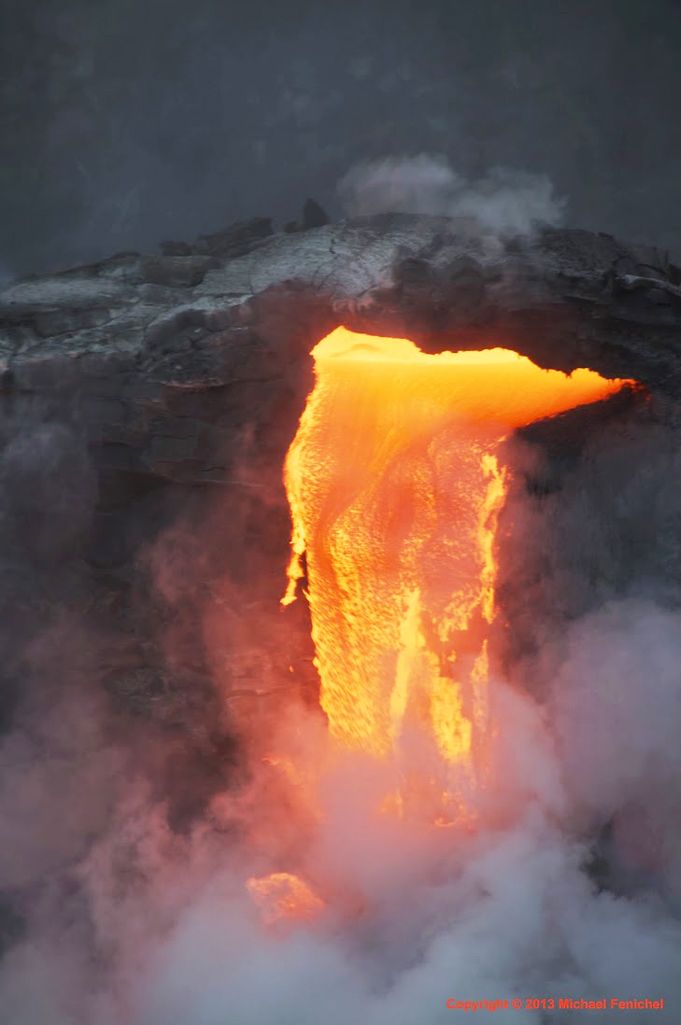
(126, 122)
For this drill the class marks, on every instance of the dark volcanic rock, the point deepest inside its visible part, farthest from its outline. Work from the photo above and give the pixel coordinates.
(236, 240)
(314, 216)
(566, 299)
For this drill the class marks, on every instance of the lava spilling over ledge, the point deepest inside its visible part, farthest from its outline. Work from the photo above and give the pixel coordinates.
(394, 486)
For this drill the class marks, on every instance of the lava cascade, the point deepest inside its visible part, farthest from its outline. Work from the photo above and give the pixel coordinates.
(394, 486)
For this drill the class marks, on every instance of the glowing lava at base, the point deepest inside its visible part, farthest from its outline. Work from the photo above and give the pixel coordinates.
(394, 488)
(283, 896)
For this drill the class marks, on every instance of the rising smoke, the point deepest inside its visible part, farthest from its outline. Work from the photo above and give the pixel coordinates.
(504, 202)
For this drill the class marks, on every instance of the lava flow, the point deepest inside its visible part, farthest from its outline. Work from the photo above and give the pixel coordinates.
(394, 486)
(283, 896)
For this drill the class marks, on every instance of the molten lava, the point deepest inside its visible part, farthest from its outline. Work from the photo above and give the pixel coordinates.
(283, 896)
(395, 487)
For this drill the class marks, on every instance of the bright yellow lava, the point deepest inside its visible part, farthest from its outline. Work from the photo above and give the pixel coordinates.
(395, 488)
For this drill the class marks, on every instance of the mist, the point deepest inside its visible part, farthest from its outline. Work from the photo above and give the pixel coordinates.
(504, 203)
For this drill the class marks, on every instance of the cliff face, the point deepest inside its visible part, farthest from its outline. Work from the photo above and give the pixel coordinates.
(148, 403)
(169, 357)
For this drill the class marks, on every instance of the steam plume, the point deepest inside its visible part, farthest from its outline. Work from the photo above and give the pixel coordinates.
(504, 202)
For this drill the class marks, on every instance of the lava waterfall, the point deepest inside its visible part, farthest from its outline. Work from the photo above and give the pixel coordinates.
(394, 485)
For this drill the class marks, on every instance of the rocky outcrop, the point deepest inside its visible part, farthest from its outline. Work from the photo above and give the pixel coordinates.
(170, 355)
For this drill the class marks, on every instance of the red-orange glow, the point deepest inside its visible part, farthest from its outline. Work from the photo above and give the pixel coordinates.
(395, 487)
(282, 896)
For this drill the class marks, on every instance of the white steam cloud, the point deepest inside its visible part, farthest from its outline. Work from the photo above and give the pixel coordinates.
(503, 202)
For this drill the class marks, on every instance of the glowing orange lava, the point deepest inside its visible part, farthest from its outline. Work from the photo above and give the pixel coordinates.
(283, 896)
(395, 487)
